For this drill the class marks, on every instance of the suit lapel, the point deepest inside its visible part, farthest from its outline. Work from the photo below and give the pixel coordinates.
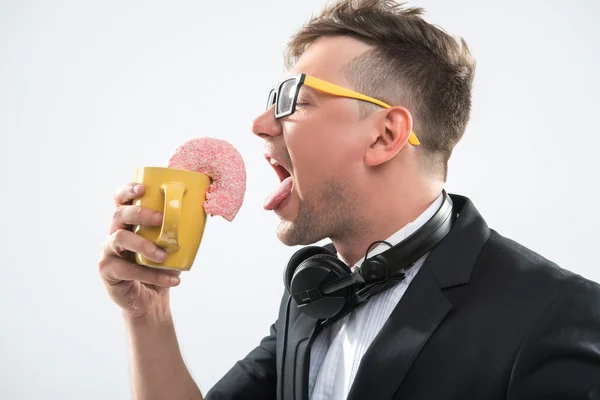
(293, 379)
(388, 359)
(422, 308)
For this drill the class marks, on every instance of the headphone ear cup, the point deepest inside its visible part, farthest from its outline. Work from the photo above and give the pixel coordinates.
(338, 267)
(311, 274)
(298, 258)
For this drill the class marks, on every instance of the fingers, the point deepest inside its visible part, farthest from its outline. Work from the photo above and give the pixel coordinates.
(115, 270)
(127, 193)
(134, 215)
(114, 265)
(126, 214)
(123, 240)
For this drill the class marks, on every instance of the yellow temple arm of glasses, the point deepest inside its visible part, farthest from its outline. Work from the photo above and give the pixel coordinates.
(336, 90)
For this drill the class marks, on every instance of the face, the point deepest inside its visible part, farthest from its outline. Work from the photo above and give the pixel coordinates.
(319, 149)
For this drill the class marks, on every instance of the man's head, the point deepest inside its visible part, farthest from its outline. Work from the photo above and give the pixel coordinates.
(349, 158)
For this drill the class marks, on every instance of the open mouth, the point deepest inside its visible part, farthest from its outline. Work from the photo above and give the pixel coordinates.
(281, 171)
(283, 191)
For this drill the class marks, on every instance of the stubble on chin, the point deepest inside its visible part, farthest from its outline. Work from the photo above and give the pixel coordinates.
(337, 214)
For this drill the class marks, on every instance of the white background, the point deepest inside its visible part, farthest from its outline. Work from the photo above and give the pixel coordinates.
(90, 90)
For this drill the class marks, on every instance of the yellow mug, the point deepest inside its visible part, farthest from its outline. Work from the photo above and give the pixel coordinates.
(180, 196)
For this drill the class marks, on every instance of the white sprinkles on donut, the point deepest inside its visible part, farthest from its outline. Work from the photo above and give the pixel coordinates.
(223, 164)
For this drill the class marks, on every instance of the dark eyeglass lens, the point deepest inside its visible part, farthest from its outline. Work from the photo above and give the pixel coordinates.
(286, 96)
(271, 99)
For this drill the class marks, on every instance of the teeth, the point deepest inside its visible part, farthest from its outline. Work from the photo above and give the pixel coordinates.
(273, 162)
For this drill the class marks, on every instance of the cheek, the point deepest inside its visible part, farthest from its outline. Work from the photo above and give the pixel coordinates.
(310, 155)
(322, 145)
(318, 165)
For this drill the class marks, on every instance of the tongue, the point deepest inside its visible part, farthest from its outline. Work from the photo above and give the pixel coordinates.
(279, 195)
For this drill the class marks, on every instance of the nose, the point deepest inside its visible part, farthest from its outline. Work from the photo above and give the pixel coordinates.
(266, 125)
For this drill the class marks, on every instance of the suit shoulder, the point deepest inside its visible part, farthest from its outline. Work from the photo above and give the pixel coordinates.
(516, 261)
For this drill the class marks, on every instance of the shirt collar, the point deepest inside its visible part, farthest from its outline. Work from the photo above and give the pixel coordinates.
(405, 231)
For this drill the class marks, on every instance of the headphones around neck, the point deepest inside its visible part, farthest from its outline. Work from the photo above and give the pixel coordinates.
(324, 287)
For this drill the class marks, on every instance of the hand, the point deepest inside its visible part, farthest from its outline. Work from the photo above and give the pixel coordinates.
(137, 289)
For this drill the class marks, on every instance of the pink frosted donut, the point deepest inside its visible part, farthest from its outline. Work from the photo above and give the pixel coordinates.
(223, 164)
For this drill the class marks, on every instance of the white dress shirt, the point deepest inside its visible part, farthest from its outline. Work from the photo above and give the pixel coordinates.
(337, 350)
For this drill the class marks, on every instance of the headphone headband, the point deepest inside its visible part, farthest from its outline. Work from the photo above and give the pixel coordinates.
(323, 286)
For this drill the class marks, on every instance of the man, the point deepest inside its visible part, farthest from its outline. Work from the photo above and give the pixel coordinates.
(478, 317)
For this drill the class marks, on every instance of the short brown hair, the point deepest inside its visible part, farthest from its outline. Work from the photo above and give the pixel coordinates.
(413, 63)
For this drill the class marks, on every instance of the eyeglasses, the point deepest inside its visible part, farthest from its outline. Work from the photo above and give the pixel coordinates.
(285, 96)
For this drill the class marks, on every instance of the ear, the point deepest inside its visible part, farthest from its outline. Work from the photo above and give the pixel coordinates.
(390, 136)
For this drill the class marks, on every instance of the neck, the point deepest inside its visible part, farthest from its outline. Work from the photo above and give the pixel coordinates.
(385, 215)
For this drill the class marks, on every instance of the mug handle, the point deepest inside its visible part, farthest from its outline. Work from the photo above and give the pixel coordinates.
(169, 231)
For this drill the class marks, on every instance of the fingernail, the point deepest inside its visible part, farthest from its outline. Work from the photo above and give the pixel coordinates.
(173, 280)
(157, 218)
(161, 255)
(136, 189)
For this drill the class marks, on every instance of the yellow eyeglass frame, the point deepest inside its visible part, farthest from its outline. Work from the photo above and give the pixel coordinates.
(326, 87)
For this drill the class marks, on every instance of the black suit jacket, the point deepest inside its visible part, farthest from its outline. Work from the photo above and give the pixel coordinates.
(484, 318)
